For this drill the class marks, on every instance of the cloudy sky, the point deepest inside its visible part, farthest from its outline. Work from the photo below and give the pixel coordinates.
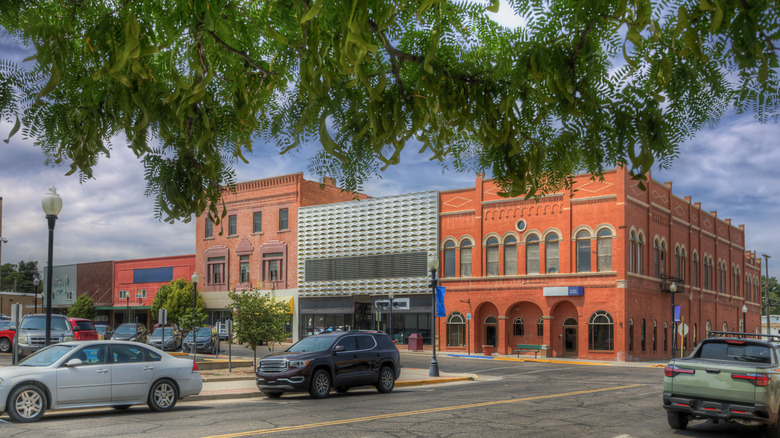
(731, 168)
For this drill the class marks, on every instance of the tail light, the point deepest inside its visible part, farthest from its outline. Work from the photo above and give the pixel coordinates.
(673, 370)
(194, 366)
(756, 378)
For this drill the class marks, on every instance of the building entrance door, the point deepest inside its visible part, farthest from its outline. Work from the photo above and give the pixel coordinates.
(364, 318)
(570, 337)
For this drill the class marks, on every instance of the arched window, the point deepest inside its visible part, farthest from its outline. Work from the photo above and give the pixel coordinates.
(601, 331)
(465, 258)
(583, 251)
(677, 261)
(449, 259)
(644, 336)
(683, 264)
(540, 327)
(551, 254)
(655, 336)
(737, 281)
(631, 334)
(532, 254)
(510, 256)
(456, 330)
(517, 327)
(708, 327)
(491, 256)
(656, 258)
(722, 276)
(725, 326)
(632, 252)
(640, 254)
(695, 270)
(663, 258)
(604, 250)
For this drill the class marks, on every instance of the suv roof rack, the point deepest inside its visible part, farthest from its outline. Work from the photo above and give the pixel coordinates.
(770, 337)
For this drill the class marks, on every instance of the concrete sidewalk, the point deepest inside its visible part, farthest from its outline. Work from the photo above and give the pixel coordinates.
(229, 387)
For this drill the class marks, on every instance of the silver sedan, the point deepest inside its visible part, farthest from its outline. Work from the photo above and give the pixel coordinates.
(95, 373)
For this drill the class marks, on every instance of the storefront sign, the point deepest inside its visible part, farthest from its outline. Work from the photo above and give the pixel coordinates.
(398, 304)
(563, 291)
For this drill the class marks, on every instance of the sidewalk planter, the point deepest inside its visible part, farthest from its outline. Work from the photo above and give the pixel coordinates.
(487, 350)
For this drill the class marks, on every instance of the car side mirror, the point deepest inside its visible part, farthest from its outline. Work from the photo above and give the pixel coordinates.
(13, 329)
(73, 362)
(339, 348)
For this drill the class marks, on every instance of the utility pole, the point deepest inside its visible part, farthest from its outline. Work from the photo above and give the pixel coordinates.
(766, 297)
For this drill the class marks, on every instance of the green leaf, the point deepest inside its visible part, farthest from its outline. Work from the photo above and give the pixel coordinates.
(13, 130)
(493, 6)
(313, 11)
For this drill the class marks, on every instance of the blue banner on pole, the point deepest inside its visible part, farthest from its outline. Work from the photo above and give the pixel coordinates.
(676, 313)
(440, 301)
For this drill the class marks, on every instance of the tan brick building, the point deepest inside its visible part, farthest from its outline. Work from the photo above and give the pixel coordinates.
(588, 273)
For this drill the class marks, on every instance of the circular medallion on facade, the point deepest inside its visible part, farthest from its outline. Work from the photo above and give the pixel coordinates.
(520, 226)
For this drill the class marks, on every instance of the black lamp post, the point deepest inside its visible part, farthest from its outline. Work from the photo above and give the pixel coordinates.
(433, 264)
(391, 295)
(194, 313)
(673, 289)
(36, 282)
(52, 205)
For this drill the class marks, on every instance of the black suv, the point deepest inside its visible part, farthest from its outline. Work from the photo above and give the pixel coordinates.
(328, 360)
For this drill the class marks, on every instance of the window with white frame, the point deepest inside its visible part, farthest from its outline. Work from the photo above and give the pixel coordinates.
(123, 294)
(140, 293)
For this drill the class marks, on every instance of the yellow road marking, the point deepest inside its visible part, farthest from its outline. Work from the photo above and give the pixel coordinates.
(419, 412)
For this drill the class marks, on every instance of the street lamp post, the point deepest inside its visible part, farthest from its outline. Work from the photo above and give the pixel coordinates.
(52, 205)
(391, 295)
(36, 282)
(673, 289)
(744, 318)
(433, 264)
(194, 313)
(766, 296)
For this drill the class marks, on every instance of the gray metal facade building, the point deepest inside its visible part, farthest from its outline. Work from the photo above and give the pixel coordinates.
(351, 255)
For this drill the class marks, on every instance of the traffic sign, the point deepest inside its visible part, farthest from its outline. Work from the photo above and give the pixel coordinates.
(682, 329)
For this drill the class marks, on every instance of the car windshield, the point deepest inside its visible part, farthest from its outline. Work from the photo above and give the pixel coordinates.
(159, 332)
(204, 332)
(46, 356)
(101, 329)
(126, 329)
(85, 325)
(39, 323)
(313, 343)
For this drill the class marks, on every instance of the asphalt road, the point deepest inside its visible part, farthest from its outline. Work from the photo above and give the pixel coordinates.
(509, 399)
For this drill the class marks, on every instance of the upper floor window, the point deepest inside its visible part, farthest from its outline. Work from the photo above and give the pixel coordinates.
(532, 254)
(510, 256)
(640, 253)
(216, 270)
(465, 258)
(677, 262)
(491, 256)
(283, 219)
(695, 270)
(243, 269)
(551, 253)
(449, 259)
(632, 252)
(583, 251)
(257, 222)
(272, 266)
(232, 225)
(123, 294)
(209, 228)
(656, 259)
(604, 250)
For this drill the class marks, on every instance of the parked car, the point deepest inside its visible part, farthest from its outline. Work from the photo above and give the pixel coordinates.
(7, 331)
(95, 373)
(32, 333)
(131, 331)
(104, 331)
(328, 360)
(83, 329)
(206, 338)
(171, 335)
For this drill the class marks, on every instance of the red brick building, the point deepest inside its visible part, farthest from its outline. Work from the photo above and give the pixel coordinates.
(589, 273)
(136, 283)
(256, 243)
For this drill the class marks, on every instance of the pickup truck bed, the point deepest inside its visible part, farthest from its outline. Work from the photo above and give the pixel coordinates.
(725, 379)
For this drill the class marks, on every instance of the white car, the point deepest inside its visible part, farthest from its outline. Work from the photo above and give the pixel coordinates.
(95, 373)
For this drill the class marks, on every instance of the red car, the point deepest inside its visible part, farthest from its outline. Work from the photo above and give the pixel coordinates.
(7, 331)
(83, 329)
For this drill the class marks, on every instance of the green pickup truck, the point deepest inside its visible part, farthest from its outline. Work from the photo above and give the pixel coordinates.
(728, 377)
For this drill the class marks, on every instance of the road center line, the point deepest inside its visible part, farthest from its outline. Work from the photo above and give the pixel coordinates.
(418, 412)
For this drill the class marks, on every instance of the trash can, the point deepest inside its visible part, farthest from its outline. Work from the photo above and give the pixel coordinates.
(415, 342)
(487, 350)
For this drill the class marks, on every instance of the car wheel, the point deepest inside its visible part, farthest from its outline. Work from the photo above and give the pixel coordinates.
(677, 420)
(5, 345)
(121, 407)
(342, 389)
(273, 394)
(386, 381)
(162, 396)
(320, 384)
(26, 404)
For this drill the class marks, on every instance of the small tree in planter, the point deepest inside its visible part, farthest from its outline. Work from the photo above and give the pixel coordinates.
(258, 318)
(84, 307)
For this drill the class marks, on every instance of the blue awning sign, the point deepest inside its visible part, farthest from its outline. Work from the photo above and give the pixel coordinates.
(563, 291)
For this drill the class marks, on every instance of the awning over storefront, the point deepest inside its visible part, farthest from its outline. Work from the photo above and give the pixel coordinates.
(290, 301)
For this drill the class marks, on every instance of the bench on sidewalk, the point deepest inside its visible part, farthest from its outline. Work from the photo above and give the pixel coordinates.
(528, 348)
